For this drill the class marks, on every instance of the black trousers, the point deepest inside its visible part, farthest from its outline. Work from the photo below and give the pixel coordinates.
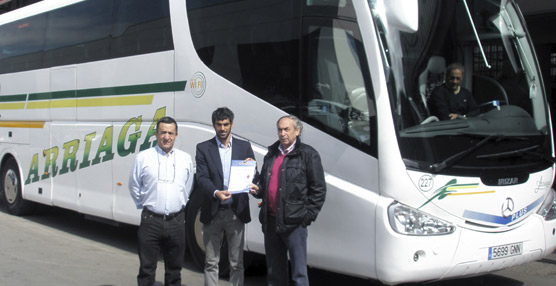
(158, 233)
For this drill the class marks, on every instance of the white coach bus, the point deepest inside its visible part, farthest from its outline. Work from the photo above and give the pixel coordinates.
(410, 198)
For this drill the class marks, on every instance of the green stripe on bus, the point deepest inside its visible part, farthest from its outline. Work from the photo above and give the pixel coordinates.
(111, 91)
(15, 97)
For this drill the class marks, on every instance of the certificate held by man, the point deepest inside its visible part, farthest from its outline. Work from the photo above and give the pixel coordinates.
(241, 176)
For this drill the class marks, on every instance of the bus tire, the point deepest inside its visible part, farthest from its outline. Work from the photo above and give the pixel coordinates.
(194, 233)
(10, 188)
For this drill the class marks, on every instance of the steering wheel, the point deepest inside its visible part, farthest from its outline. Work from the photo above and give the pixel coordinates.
(493, 103)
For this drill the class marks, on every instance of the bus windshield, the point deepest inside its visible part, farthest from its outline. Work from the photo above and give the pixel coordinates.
(507, 127)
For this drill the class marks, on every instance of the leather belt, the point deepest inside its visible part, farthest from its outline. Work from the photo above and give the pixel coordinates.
(163, 216)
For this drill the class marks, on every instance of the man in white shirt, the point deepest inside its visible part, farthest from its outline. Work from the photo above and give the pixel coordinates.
(160, 183)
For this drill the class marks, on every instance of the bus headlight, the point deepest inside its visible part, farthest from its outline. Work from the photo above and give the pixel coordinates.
(548, 207)
(410, 221)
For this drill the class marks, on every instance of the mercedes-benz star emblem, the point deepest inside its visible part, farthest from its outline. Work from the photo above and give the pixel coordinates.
(507, 207)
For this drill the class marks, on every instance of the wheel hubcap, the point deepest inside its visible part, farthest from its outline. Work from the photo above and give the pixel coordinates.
(199, 231)
(10, 186)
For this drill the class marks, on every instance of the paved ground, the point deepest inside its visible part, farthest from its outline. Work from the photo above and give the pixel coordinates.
(63, 252)
(58, 247)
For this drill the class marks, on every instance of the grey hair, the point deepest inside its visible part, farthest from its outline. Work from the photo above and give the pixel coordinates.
(296, 122)
(455, 66)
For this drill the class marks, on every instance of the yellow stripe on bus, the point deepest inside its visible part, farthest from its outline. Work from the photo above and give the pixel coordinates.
(16, 105)
(93, 102)
(471, 193)
(116, 101)
(63, 103)
(459, 187)
(22, 124)
(38, 105)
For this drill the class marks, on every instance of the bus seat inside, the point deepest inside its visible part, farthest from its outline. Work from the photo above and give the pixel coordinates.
(431, 77)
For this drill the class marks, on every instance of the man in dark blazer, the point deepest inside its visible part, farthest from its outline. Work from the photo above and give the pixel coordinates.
(221, 212)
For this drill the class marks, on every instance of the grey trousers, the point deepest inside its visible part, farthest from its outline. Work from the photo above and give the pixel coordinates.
(224, 222)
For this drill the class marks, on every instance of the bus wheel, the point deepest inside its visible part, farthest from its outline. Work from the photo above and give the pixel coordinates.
(11, 195)
(194, 233)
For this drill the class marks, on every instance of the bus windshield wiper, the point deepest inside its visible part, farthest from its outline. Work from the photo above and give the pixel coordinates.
(520, 153)
(438, 167)
(476, 35)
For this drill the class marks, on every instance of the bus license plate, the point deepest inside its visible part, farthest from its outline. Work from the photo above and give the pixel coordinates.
(502, 251)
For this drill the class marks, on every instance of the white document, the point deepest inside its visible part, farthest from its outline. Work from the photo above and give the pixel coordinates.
(241, 176)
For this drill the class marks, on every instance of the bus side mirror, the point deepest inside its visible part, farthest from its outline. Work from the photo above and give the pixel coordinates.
(406, 19)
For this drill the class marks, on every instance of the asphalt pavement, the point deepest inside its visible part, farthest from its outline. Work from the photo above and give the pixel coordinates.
(62, 248)
(54, 248)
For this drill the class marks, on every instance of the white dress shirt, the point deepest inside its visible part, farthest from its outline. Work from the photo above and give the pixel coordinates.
(226, 161)
(161, 182)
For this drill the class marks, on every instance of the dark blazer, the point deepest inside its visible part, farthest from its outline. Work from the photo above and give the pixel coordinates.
(209, 178)
(302, 187)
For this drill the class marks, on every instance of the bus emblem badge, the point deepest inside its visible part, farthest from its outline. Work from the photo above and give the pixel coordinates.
(197, 84)
(507, 207)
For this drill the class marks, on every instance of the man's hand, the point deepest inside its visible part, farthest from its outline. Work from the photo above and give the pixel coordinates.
(223, 195)
(254, 189)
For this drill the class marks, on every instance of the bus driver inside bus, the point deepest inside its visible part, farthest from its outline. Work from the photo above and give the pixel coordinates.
(451, 100)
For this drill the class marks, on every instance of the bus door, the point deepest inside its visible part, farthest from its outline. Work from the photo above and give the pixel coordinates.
(61, 156)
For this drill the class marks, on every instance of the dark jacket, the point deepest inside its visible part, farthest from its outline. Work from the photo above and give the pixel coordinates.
(209, 177)
(443, 102)
(301, 189)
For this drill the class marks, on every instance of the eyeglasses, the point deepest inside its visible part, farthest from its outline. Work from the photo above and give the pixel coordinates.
(169, 174)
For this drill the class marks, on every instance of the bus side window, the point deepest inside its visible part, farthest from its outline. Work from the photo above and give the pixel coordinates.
(338, 100)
